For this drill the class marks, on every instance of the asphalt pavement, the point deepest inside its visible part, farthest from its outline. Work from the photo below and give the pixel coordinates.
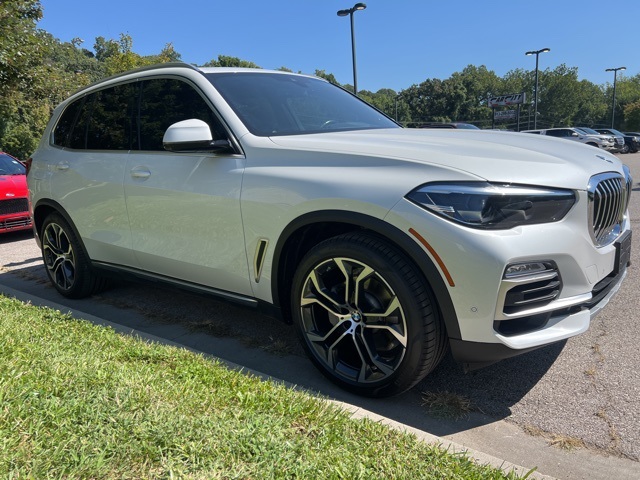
(583, 393)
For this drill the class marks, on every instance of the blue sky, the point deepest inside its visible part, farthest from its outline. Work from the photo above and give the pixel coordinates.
(398, 43)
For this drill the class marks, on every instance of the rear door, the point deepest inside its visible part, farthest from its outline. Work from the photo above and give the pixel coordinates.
(92, 141)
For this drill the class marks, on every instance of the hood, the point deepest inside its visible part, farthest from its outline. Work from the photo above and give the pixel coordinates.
(508, 157)
(13, 186)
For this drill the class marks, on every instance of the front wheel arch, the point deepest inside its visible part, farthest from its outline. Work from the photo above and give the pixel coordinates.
(308, 230)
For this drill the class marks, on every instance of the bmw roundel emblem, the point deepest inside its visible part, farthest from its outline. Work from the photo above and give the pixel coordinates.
(602, 157)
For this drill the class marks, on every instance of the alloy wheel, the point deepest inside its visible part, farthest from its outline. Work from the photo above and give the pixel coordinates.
(353, 321)
(59, 257)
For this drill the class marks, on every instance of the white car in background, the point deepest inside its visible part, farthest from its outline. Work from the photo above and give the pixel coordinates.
(384, 246)
(578, 135)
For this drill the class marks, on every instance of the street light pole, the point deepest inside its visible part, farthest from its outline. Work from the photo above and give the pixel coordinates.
(344, 13)
(613, 103)
(535, 98)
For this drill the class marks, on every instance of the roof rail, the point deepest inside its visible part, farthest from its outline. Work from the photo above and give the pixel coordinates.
(157, 66)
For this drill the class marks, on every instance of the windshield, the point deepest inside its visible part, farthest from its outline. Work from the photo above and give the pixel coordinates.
(10, 166)
(589, 131)
(272, 104)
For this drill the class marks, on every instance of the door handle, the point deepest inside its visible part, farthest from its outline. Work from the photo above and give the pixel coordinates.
(140, 173)
(62, 166)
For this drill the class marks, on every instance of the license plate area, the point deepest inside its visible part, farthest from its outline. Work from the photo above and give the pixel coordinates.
(623, 252)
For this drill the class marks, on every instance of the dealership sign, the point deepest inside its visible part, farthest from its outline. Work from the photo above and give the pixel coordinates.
(505, 115)
(507, 100)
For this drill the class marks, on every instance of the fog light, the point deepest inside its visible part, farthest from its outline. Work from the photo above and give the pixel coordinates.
(519, 269)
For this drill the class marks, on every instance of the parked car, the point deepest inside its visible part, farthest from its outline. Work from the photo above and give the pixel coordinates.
(468, 126)
(578, 135)
(618, 140)
(384, 246)
(631, 142)
(14, 198)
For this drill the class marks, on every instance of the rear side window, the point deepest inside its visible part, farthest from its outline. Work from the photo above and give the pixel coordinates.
(62, 132)
(103, 120)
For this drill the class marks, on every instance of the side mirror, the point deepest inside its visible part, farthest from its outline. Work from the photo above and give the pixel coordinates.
(189, 135)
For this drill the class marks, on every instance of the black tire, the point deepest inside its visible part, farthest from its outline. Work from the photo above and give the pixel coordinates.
(66, 261)
(366, 317)
(625, 148)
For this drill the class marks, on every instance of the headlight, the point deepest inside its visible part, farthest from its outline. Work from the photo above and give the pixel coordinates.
(493, 206)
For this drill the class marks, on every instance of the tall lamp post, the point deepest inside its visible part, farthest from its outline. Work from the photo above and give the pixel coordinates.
(613, 103)
(535, 97)
(344, 13)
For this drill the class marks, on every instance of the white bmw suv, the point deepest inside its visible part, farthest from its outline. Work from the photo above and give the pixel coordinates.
(384, 246)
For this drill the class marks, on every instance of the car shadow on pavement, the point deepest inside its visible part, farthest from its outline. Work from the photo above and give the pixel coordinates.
(9, 237)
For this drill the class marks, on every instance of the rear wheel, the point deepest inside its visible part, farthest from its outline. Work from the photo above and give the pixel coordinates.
(66, 262)
(366, 317)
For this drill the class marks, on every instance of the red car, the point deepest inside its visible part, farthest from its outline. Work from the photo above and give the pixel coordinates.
(14, 202)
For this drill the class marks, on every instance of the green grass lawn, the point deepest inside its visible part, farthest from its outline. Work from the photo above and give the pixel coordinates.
(80, 401)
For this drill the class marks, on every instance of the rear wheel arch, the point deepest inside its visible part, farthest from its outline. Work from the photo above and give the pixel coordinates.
(44, 208)
(307, 231)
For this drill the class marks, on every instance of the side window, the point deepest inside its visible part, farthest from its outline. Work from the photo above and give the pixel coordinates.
(62, 132)
(556, 133)
(78, 134)
(103, 120)
(112, 124)
(166, 101)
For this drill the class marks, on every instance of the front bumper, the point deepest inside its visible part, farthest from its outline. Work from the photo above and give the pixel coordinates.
(557, 326)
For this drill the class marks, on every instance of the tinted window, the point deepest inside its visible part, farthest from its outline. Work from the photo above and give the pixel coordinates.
(557, 133)
(78, 134)
(112, 124)
(62, 132)
(103, 120)
(280, 104)
(167, 101)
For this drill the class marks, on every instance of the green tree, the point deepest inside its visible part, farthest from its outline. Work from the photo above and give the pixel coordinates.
(226, 61)
(329, 77)
(21, 52)
(632, 116)
(478, 84)
(118, 56)
(627, 93)
(20, 46)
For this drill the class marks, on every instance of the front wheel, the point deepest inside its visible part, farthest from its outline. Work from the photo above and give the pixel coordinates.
(366, 317)
(625, 148)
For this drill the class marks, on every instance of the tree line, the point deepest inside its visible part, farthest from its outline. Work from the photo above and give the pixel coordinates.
(38, 71)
